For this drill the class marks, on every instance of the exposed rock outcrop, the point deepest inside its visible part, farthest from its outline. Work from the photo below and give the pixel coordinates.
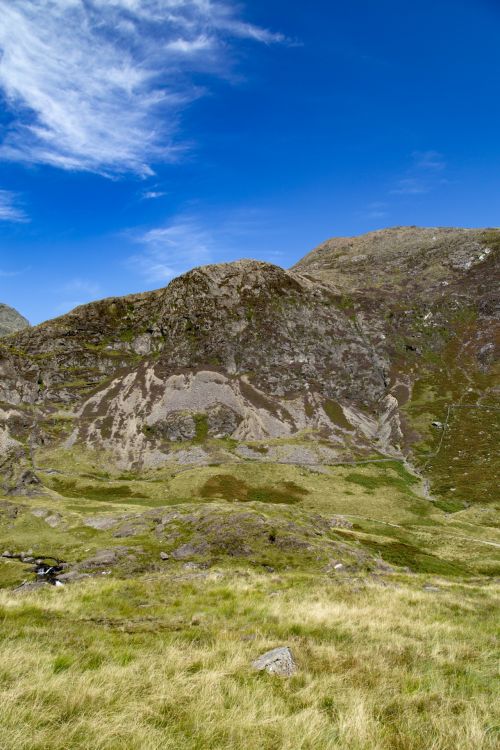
(337, 359)
(10, 320)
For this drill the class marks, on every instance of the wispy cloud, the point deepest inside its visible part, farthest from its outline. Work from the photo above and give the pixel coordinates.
(376, 210)
(424, 175)
(152, 194)
(82, 287)
(76, 292)
(170, 250)
(411, 186)
(10, 274)
(9, 207)
(429, 160)
(197, 238)
(98, 85)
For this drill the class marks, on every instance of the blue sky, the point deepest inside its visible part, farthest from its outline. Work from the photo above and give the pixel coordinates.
(139, 138)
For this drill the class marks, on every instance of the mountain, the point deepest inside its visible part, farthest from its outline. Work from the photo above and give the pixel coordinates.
(10, 320)
(380, 346)
(435, 294)
(258, 466)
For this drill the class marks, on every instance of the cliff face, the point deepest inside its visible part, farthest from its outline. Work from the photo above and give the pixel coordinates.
(10, 320)
(352, 353)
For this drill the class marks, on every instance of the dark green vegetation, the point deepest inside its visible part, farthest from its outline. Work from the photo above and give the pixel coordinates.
(228, 487)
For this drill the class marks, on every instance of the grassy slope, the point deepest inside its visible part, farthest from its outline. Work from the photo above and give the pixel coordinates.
(461, 461)
(382, 500)
(157, 655)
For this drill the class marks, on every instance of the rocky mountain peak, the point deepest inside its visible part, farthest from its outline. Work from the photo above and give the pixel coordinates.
(10, 320)
(411, 260)
(360, 350)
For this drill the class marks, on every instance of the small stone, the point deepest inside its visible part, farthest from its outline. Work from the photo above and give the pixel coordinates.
(195, 566)
(269, 568)
(428, 587)
(101, 523)
(278, 661)
(164, 556)
(40, 512)
(53, 521)
(338, 566)
(7, 554)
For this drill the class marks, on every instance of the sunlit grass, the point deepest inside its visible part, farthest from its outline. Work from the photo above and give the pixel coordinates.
(165, 663)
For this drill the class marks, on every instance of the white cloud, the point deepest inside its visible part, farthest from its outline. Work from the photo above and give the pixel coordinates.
(202, 236)
(376, 210)
(9, 208)
(172, 249)
(153, 194)
(429, 160)
(98, 85)
(81, 287)
(191, 46)
(411, 186)
(424, 174)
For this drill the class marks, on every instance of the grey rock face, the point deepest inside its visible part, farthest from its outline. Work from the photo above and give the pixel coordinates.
(10, 320)
(249, 354)
(278, 661)
(101, 523)
(189, 550)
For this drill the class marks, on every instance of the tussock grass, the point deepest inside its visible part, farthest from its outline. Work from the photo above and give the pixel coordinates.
(155, 655)
(165, 663)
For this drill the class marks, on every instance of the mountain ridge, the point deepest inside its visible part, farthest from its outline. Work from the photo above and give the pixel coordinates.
(11, 320)
(247, 351)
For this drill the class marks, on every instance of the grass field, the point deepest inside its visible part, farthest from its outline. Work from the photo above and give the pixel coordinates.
(395, 650)
(165, 663)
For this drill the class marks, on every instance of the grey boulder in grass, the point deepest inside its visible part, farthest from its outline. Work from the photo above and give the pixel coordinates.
(278, 661)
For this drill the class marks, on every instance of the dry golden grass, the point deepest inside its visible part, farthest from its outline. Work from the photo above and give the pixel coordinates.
(165, 663)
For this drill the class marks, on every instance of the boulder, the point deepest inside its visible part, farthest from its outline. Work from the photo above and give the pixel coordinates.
(278, 661)
(101, 523)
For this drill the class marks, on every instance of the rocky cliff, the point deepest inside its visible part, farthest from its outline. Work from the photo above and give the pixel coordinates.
(381, 346)
(10, 320)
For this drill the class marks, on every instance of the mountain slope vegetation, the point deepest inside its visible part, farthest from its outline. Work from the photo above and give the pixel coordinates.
(254, 457)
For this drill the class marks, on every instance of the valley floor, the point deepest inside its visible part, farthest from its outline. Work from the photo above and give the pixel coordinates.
(177, 581)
